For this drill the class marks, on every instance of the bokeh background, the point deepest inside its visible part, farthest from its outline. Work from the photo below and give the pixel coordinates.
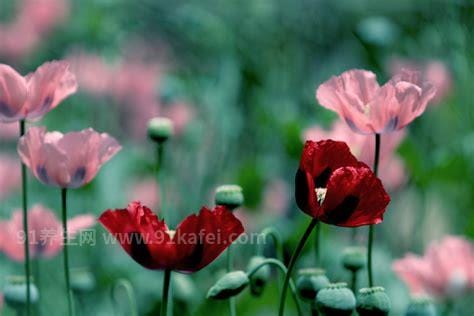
(238, 79)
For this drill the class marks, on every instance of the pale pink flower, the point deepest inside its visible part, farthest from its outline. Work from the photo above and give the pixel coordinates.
(10, 175)
(33, 96)
(369, 108)
(433, 71)
(445, 271)
(67, 161)
(276, 198)
(391, 171)
(147, 192)
(45, 233)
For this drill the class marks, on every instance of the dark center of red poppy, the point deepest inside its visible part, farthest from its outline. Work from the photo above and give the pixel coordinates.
(321, 181)
(139, 250)
(343, 211)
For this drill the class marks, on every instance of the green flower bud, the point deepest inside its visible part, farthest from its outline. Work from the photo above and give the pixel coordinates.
(354, 258)
(229, 285)
(82, 280)
(336, 300)
(310, 282)
(160, 129)
(373, 302)
(15, 292)
(421, 306)
(260, 278)
(230, 196)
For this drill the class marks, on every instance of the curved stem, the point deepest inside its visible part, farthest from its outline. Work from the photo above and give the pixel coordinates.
(372, 228)
(292, 263)
(232, 308)
(25, 227)
(277, 241)
(66, 252)
(165, 294)
(127, 286)
(283, 269)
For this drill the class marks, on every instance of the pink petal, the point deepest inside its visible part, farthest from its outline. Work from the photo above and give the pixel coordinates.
(47, 87)
(13, 93)
(78, 223)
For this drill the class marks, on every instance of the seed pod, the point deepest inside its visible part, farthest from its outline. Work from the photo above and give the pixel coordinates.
(230, 196)
(421, 306)
(354, 258)
(336, 300)
(15, 292)
(373, 302)
(310, 282)
(82, 280)
(229, 285)
(160, 129)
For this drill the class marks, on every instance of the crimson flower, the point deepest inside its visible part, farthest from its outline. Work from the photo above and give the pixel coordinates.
(197, 241)
(332, 186)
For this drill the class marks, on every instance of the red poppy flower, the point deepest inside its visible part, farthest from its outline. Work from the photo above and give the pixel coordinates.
(198, 239)
(332, 186)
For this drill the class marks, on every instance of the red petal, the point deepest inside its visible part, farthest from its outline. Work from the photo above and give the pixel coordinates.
(354, 197)
(141, 235)
(201, 238)
(321, 158)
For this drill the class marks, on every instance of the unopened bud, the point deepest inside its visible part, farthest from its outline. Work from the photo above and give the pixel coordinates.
(82, 280)
(310, 282)
(373, 302)
(336, 299)
(160, 129)
(230, 196)
(229, 285)
(354, 258)
(15, 292)
(260, 278)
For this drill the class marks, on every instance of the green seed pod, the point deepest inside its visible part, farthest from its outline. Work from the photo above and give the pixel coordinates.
(230, 196)
(229, 285)
(310, 282)
(160, 129)
(354, 258)
(82, 280)
(260, 278)
(373, 302)
(15, 292)
(421, 306)
(336, 300)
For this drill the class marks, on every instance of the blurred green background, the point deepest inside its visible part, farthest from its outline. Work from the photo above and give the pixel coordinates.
(247, 72)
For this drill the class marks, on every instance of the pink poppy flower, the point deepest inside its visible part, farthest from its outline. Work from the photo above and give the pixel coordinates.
(33, 96)
(369, 108)
(445, 271)
(45, 232)
(433, 71)
(146, 191)
(392, 170)
(10, 175)
(66, 161)
(9, 131)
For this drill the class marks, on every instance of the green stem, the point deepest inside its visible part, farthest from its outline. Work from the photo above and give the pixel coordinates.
(66, 253)
(25, 226)
(354, 282)
(317, 244)
(165, 294)
(372, 228)
(229, 264)
(277, 241)
(36, 278)
(283, 269)
(292, 263)
(127, 286)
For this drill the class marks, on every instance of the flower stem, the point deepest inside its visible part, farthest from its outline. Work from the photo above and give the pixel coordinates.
(229, 264)
(354, 282)
(317, 245)
(25, 227)
(283, 269)
(66, 254)
(165, 294)
(292, 263)
(371, 228)
(125, 284)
